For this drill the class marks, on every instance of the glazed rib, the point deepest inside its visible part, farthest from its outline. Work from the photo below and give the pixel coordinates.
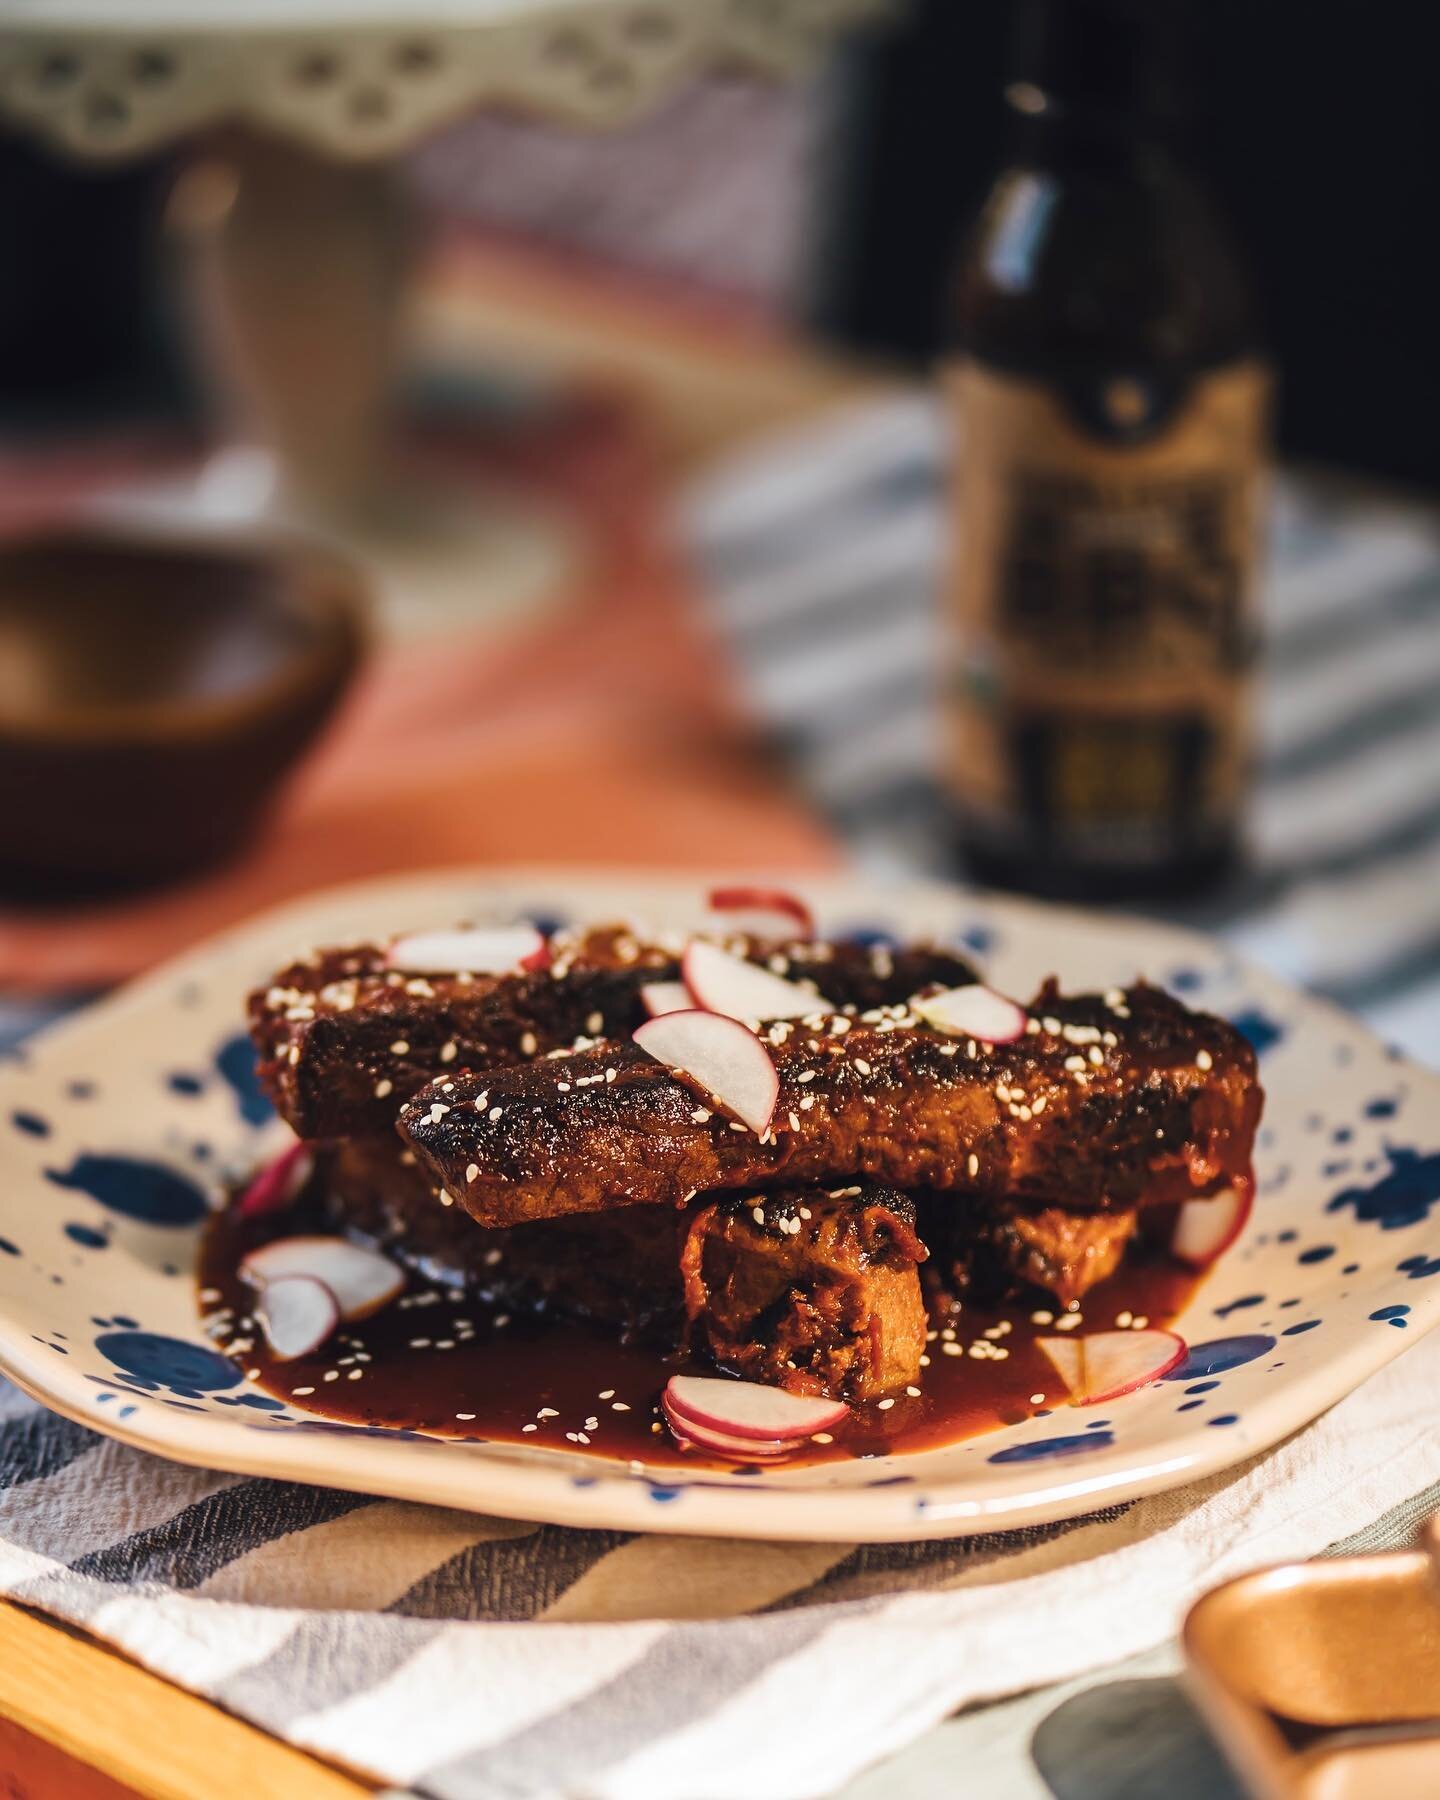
(795, 1289)
(1109, 1102)
(343, 1040)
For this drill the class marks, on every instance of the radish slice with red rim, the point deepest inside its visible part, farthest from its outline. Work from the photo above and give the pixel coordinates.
(737, 1449)
(1204, 1228)
(361, 1280)
(750, 1410)
(469, 950)
(724, 1058)
(279, 1184)
(297, 1313)
(1103, 1365)
(661, 997)
(972, 1011)
(798, 918)
(721, 983)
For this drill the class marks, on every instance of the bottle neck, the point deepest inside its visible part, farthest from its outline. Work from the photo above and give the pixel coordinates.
(1097, 81)
(1051, 135)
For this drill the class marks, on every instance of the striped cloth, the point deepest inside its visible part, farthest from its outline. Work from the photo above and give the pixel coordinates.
(481, 1659)
(474, 1659)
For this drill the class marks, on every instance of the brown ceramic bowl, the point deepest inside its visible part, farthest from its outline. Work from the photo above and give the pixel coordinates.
(153, 692)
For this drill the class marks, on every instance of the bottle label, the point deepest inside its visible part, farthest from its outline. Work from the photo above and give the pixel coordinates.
(1101, 594)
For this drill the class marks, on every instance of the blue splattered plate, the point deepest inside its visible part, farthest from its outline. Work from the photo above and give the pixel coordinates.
(115, 1129)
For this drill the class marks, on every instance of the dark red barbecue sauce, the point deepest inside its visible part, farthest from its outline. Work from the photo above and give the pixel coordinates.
(443, 1362)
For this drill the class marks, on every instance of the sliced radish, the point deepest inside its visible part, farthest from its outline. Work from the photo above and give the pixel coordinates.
(973, 1011)
(721, 983)
(1205, 1228)
(749, 1410)
(725, 1058)
(661, 997)
(736, 1449)
(767, 901)
(1103, 1365)
(298, 1313)
(361, 1280)
(469, 950)
(279, 1184)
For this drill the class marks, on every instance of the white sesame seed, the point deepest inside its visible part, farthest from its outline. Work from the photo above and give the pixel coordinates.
(1204, 1060)
(400, 1047)
(821, 1437)
(528, 1044)
(472, 1171)
(529, 1427)
(383, 1089)
(913, 1392)
(304, 1390)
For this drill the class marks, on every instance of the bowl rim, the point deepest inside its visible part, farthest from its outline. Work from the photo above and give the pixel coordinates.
(330, 591)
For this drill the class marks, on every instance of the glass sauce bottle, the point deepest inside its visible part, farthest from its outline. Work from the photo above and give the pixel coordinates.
(1113, 426)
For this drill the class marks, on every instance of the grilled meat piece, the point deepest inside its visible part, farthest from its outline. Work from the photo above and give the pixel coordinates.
(343, 1040)
(1109, 1102)
(620, 1269)
(995, 1251)
(818, 1293)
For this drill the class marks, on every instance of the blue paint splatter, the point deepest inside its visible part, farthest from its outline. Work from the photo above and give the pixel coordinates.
(871, 938)
(1189, 1405)
(1245, 1300)
(1286, 1237)
(979, 938)
(31, 1124)
(1318, 1254)
(1262, 1031)
(547, 924)
(1351, 1269)
(88, 1236)
(7, 1248)
(235, 1059)
(1383, 1108)
(81, 1090)
(1043, 1448)
(187, 1369)
(1203, 1387)
(1224, 1419)
(663, 1494)
(1304, 1325)
(1402, 1197)
(1342, 1134)
(1418, 1268)
(1219, 1354)
(1392, 1315)
(141, 1190)
(1185, 981)
(189, 1085)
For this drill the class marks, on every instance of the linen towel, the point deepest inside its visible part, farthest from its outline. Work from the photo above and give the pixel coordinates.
(474, 1659)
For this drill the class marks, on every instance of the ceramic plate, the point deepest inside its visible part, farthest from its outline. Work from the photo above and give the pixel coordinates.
(113, 1127)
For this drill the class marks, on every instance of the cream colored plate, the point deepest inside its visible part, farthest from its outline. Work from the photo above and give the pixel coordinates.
(112, 1126)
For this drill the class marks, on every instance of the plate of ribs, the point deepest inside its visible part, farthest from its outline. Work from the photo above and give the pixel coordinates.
(642, 1203)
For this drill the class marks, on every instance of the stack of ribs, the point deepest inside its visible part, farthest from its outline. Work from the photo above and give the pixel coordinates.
(504, 1132)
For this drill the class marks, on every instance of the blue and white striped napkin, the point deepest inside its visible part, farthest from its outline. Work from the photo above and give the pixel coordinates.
(482, 1659)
